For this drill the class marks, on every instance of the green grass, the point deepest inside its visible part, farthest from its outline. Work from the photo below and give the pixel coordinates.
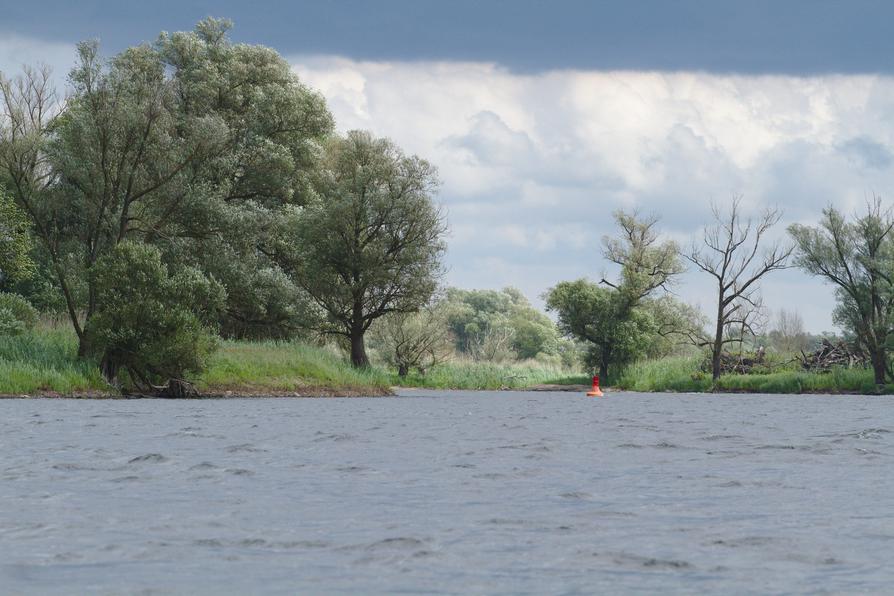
(666, 374)
(45, 361)
(280, 366)
(485, 375)
(682, 374)
(254, 367)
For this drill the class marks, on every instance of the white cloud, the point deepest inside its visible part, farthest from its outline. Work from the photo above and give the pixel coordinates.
(533, 165)
(17, 51)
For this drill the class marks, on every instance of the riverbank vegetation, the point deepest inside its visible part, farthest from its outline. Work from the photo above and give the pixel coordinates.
(687, 374)
(44, 361)
(191, 214)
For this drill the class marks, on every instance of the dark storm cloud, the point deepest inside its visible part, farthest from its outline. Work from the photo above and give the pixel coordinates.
(753, 36)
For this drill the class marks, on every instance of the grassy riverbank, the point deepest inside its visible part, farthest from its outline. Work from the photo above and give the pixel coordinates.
(682, 374)
(43, 362)
(485, 375)
(285, 368)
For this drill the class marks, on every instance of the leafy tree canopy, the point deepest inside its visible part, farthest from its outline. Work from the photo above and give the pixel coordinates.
(857, 257)
(621, 320)
(615, 335)
(479, 319)
(15, 241)
(371, 243)
(193, 144)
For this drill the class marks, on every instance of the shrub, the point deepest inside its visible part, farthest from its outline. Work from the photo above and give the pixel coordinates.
(153, 325)
(16, 314)
(414, 340)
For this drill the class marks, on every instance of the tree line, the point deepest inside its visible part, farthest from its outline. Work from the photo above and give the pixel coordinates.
(194, 188)
(618, 319)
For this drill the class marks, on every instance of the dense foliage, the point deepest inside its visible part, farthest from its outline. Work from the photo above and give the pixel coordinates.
(15, 241)
(16, 265)
(371, 242)
(16, 314)
(619, 321)
(153, 325)
(615, 335)
(193, 144)
(858, 258)
(499, 325)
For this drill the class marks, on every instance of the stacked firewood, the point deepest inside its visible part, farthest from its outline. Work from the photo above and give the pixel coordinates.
(829, 355)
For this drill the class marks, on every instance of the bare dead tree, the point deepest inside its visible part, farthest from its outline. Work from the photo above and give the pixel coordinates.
(734, 256)
(750, 320)
(788, 331)
(494, 345)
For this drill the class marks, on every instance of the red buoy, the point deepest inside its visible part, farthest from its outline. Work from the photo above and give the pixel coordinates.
(595, 392)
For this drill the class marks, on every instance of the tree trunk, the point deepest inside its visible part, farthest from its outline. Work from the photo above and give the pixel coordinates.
(879, 365)
(402, 370)
(716, 351)
(69, 304)
(358, 348)
(109, 369)
(603, 370)
(717, 348)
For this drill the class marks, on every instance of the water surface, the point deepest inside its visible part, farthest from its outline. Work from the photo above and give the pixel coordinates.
(448, 492)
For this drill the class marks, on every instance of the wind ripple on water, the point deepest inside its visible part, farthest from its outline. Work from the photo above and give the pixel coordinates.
(471, 493)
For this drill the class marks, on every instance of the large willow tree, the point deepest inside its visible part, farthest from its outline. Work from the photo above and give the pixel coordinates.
(612, 318)
(857, 257)
(372, 242)
(193, 144)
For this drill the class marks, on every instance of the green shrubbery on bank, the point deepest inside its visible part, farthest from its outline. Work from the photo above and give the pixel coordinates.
(254, 368)
(468, 374)
(683, 374)
(44, 361)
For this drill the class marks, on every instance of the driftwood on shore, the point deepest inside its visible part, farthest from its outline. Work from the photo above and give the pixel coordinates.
(823, 359)
(173, 389)
(829, 355)
(737, 364)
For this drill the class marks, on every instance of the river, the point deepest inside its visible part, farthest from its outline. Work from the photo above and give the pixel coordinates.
(448, 492)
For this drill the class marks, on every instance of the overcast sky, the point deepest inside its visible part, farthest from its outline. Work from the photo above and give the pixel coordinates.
(544, 117)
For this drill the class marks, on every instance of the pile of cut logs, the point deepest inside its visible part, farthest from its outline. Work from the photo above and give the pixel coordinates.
(829, 355)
